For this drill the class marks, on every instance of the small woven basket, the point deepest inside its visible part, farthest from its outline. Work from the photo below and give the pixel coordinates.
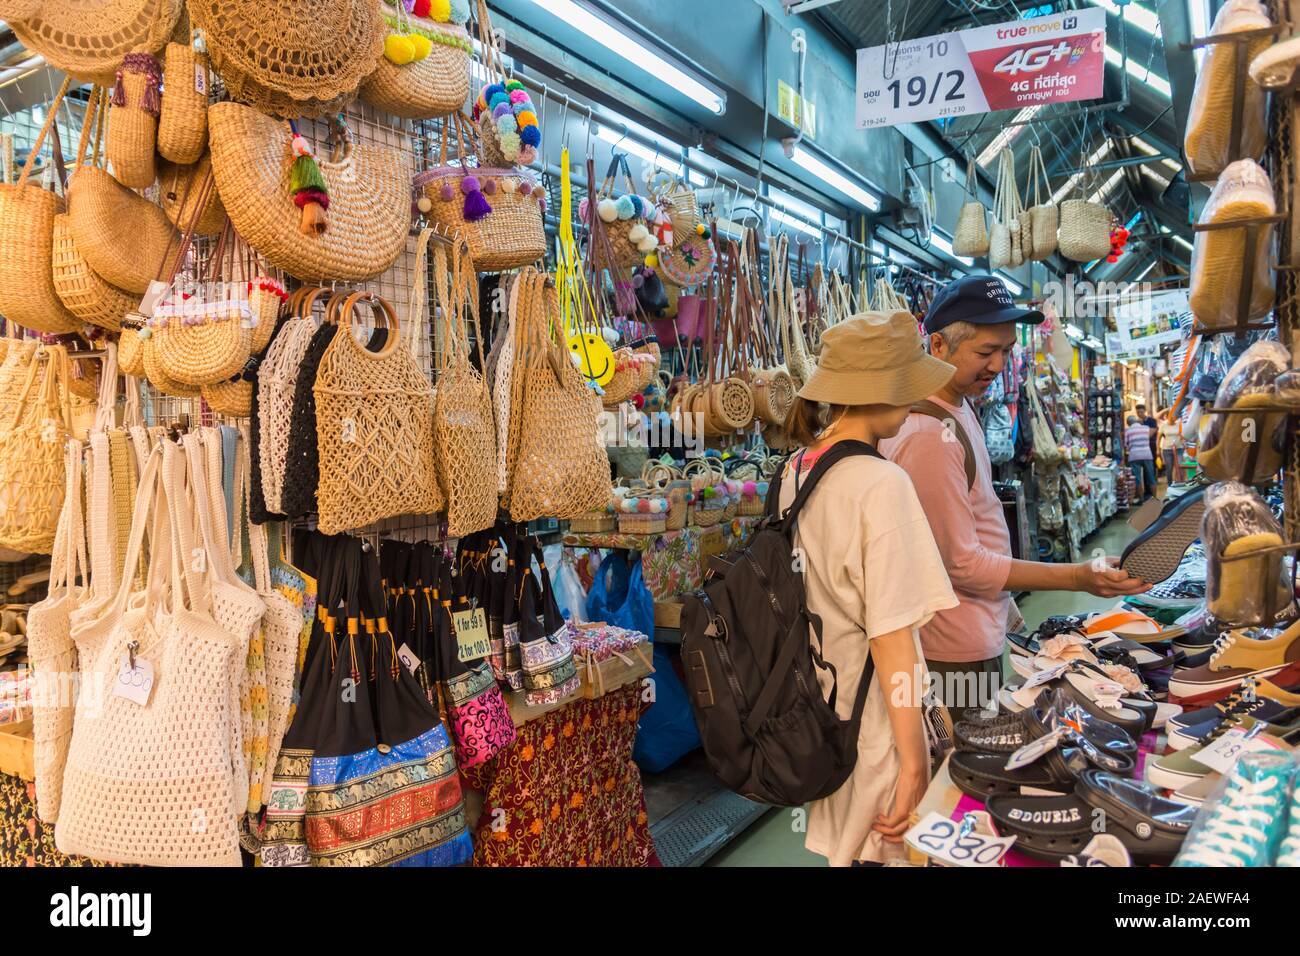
(82, 291)
(130, 347)
(435, 86)
(1084, 232)
(133, 121)
(233, 399)
(689, 262)
(183, 115)
(593, 522)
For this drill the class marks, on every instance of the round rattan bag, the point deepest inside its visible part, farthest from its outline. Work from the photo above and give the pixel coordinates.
(304, 58)
(89, 38)
(689, 262)
(369, 190)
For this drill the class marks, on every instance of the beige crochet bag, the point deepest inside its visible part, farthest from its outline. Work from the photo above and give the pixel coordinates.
(50, 649)
(32, 475)
(374, 427)
(153, 783)
(971, 236)
(558, 465)
(464, 427)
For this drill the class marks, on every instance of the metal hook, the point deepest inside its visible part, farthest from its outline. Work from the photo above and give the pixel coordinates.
(564, 122)
(591, 128)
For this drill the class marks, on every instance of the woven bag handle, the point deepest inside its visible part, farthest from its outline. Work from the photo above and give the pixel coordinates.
(448, 289)
(93, 120)
(107, 400)
(417, 304)
(464, 131)
(186, 238)
(487, 43)
(68, 560)
(383, 312)
(50, 118)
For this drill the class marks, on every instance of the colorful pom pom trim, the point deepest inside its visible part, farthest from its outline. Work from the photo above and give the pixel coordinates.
(516, 121)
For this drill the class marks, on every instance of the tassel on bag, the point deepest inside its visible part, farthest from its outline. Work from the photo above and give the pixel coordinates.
(307, 183)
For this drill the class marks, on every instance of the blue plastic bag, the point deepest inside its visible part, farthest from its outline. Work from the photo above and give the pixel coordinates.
(619, 596)
(667, 730)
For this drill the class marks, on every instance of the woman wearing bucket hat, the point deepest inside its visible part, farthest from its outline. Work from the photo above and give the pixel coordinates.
(872, 573)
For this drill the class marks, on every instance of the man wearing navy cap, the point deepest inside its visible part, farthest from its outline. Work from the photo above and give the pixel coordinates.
(972, 326)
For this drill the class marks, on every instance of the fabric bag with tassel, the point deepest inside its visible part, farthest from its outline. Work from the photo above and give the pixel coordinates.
(133, 121)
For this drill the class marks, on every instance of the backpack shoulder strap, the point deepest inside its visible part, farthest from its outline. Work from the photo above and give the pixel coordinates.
(836, 453)
(931, 410)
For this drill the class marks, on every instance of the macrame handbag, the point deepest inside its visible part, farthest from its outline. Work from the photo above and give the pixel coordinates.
(368, 189)
(374, 427)
(50, 649)
(560, 467)
(971, 235)
(464, 427)
(132, 140)
(1043, 215)
(32, 442)
(497, 209)
(28, 296)
(785, 305)
(424, 72)
(183, 112)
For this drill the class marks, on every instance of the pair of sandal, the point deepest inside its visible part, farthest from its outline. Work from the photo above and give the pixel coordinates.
(1094, 640)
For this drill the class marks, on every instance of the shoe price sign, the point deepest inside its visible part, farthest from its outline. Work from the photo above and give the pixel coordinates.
(948, 841)
(1026, 63)
(1223, 753)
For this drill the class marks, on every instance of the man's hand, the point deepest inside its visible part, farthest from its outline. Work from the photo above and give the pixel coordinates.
(1104, 578)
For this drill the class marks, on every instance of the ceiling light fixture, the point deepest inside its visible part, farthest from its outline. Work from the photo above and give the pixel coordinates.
(835, 179)
(941, 242)
(587, 21)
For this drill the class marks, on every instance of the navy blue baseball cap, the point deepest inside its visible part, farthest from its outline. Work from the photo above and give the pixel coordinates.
(980, 300)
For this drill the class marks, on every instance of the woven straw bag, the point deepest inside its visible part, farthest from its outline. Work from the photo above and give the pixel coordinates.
(155, 785)
(50, 650)
(230, 399)
(433, 86)
(783, 306)
(1006, 240)
(683, 208)
(369, 190)
(1084, 232)
(121, 234)
(689, 261)
(301, 59)
(558, 465)
(464, 427)
(971, 235)
(1044, 218)
(207, 338)
(277, 381)
(374, 426)
(133, 121)
(183, 116)
(130, 347)
(626, 219)
(13, 375)
(770, 383)
(32, 455)
(27, 211)
(89, 38)
(179, 193)
(497, 210)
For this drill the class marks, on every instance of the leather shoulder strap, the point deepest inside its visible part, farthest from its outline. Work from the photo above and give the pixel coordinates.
(932, 410)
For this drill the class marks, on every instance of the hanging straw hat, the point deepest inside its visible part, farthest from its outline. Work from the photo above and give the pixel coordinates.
(304, 58)
(89, 38)
(875, 358)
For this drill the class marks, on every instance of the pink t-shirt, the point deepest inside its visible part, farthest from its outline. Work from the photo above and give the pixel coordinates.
(969, 528)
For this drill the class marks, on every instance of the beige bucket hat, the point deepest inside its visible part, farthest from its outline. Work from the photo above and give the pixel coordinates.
(875, 358)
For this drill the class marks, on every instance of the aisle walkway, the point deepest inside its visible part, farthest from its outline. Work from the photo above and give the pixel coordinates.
(777, 839)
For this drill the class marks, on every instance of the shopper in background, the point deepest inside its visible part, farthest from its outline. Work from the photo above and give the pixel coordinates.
(971, 325)
(872, 573)
(1153, 427)
(1171, 445)
(1140, 456)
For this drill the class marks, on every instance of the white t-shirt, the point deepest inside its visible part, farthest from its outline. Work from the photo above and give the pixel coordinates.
(871, 567)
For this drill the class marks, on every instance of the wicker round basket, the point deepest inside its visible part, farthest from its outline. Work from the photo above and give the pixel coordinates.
(774, 394)
(429, 88)
(82, 291)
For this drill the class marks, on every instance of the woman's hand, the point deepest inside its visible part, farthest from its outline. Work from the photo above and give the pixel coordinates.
(912, 783)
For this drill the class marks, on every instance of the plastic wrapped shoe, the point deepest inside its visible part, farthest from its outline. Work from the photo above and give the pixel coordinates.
(1103, 850)
(1245, 825)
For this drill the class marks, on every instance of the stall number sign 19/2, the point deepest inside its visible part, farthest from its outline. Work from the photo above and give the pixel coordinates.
(1053, 59)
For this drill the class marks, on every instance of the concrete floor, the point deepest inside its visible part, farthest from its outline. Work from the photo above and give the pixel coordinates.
(775, 839)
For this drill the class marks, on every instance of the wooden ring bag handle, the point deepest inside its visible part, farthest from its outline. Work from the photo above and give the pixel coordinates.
(383, 312)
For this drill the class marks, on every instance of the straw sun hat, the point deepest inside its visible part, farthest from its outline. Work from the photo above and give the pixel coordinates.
(875, 358)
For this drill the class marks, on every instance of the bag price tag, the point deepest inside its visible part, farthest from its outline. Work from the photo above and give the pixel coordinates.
(942, 839)
(472, 641)
(1042, 677)
(407, 657)
(1223, 753)
(200, 78)
(134, 683)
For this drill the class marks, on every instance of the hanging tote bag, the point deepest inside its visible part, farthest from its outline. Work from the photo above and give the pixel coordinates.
(179, 191)
(770, 383)
(368, 187)
(1005, 238)
(800, 364)
(133, 121)
(1084, 231)
(626, 219)
(183, 114)
(27, 212)
(560, 468)
(153, 783)
(32, 479)
(464, 427)
(83, 292)
(374, 426)
(971, 235)
(503, 112)
(545, 647)
(1043, 214)
(424, 72)
(302, 59)
(498, 210)
(89, 38)
(50, 649)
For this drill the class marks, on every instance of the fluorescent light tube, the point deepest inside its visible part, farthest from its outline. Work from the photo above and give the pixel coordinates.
(1148, 21)
(1139, 72)
(835, 179)
(795, 223)
(586, 21)
(941, 242)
